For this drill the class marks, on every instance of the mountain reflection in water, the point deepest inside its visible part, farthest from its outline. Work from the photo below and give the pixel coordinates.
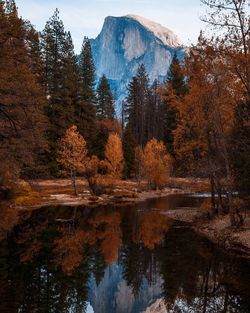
(125, 259)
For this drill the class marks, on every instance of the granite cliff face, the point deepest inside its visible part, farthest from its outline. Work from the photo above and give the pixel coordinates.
(126, 42)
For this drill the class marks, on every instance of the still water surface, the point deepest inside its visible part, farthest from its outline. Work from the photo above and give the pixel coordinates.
(117, 259)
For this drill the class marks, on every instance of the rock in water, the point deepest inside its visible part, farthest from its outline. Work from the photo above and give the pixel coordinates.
(128, 41)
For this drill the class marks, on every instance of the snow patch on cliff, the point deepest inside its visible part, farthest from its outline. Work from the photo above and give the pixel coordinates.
(166, 35)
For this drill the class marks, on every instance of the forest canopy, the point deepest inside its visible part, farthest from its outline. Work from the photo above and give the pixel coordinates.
(57, 118)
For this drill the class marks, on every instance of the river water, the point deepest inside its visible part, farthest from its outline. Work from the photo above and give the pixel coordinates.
(117, 259)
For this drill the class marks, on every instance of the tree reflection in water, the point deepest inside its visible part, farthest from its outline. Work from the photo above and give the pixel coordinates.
(51, 263)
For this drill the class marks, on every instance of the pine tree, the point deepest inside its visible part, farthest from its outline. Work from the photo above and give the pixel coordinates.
(60, 74)
(138, 92)
(52, 40)
(103, 127)
(175, 86)
(34, 51)
(87, 72)
(70, 88)
(154, 114)
(176, 77)
(22, 101)
(85, 110)
(129, 146)
(105, 102)
(60, 79)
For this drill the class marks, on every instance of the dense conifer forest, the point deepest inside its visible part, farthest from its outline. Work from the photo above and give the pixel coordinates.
(57, 120)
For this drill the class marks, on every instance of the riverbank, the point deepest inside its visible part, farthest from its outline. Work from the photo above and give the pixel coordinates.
(37, 194)
(40, 193)
(217, 230)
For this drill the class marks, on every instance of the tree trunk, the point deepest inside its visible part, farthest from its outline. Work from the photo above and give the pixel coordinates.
(211, 175)
(229, 186)
(222, 145)
(218, 188)
(213, 203)
(73, 180)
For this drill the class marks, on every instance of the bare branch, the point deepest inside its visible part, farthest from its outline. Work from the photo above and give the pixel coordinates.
(216, 6)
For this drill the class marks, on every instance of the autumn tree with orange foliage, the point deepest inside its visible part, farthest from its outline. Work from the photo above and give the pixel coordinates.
(231, 19)
(114, 155)
(104, 127)
(73, 153)
(156, 164)
(22, 101)
(205, 121)
(98, 183)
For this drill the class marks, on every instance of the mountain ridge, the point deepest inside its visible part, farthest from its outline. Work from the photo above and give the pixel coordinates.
(166, 35)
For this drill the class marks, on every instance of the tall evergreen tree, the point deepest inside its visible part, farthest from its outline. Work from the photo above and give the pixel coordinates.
(176, 77)
(85, 111)
(176, 85)
(52, 39)
(129, 146)
(105, 101)
(138, 92)
(60, 74)
(154, 114)
(34, 51)
(60, 79)
(22, 100)
(70, 90)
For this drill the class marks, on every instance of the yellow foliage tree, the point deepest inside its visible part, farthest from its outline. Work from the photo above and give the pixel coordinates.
(73, 153)
(156, 163)
(114, 155)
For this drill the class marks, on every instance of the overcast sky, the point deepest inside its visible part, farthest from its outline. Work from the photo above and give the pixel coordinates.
(85, 17)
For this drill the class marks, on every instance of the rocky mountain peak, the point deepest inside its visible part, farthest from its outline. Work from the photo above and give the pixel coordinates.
(167, 36)
(126, 42)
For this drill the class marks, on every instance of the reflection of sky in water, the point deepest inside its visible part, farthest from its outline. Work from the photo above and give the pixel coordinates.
(89, 309)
